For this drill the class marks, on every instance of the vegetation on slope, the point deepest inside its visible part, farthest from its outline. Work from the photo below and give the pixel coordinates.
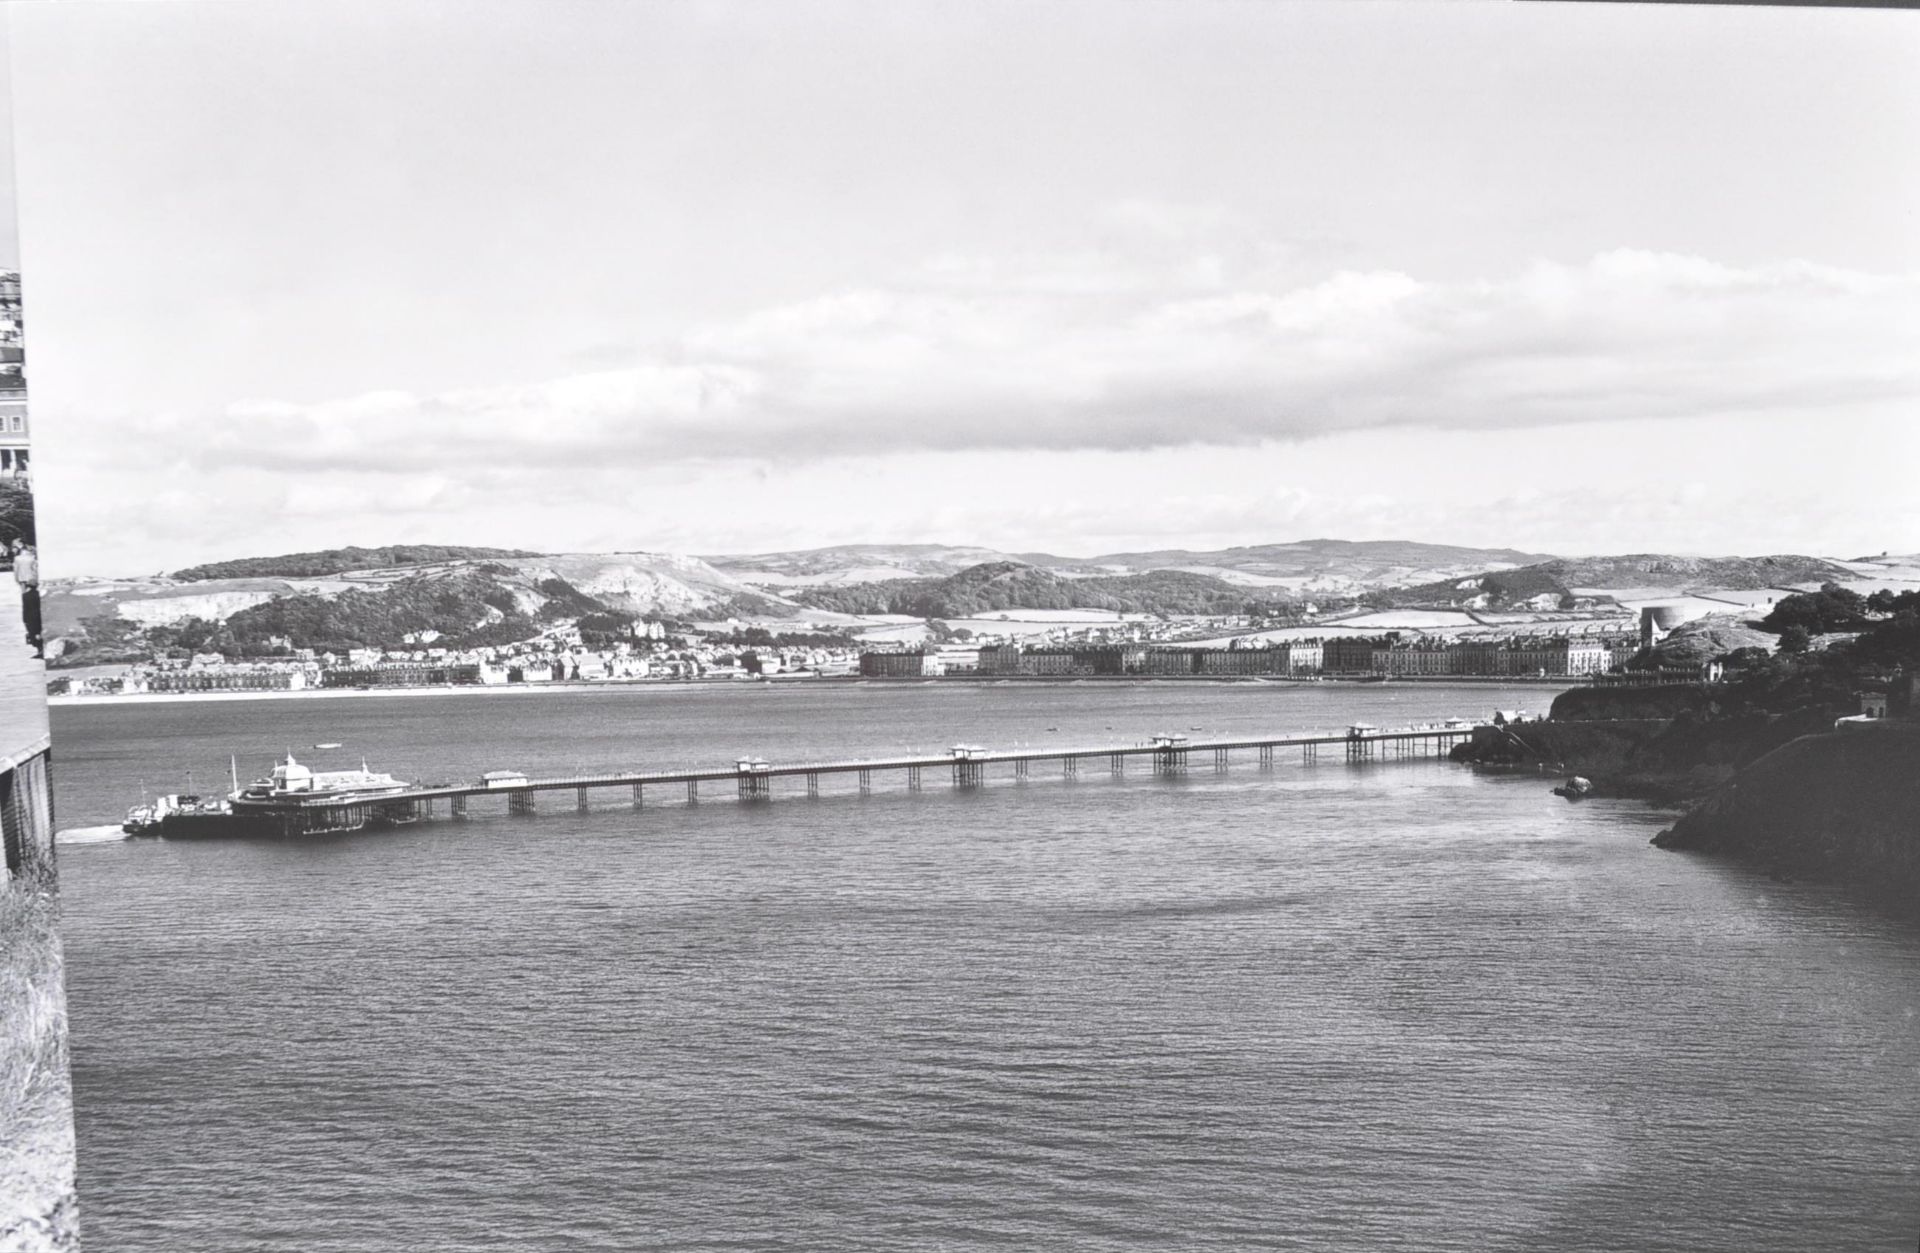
(1501, 588)
(37, 1207)
(1009, 585)
(1557, 577)
(16, 513)
(340, 560)
(465, 609)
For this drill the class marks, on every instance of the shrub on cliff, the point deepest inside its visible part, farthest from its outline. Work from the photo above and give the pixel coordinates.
(16, 513)
(1832, 608)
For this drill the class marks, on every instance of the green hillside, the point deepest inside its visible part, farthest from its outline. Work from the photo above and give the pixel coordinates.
(1002, 585)
(339, 560)
(1637, 570)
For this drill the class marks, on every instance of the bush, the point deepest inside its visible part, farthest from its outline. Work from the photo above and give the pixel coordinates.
(1832, 608)
(16, 514)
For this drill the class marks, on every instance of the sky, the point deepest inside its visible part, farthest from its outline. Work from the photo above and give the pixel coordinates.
(1075, 278)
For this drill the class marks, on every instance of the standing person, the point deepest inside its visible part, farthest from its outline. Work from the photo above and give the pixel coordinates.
(26, 570)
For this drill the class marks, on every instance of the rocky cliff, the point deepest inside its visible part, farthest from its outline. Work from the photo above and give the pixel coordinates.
(1783, 790)
(1838, 805)
(1668, 743)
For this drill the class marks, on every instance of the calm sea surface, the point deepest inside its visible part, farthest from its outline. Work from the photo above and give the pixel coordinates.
(1314, 1007)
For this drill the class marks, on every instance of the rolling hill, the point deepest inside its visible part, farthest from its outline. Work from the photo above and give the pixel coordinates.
(1564, 577)
(1321, 565)
(1006, 584)
(465, 598)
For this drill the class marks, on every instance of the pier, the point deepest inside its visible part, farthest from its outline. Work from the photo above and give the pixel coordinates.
(966, 766)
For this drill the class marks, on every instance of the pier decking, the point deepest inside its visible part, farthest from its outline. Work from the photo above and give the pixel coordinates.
(966, 766)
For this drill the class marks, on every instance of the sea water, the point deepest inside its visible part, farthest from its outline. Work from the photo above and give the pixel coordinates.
(1316, 1006)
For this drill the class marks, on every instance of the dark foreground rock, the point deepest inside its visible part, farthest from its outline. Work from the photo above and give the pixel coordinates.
(1670, 745)
(1840, 806)
(1786, 792)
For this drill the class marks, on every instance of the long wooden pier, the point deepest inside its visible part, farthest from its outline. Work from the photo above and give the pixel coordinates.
(966, 766)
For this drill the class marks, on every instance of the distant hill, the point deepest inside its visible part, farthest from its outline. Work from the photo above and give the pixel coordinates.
(1561, 577)
(1319, 564)
(1000, 585)
(854, 563)
(1679, 573)
(1352, 560)
(467, 601)
(340, 561)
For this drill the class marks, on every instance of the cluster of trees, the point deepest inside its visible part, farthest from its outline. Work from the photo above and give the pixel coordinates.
(564, 600)
(1501, 587)
(1006, 585)
(603, 628)
(1832, 608)
(467, 609)
(760, 637)
(1827, 678)
(340, 560)
(16, 513)
(109, 639)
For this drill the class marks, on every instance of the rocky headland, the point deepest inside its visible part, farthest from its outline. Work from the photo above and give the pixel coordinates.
(1786, 791)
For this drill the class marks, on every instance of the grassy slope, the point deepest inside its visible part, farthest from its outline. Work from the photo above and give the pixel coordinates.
(37, 1206)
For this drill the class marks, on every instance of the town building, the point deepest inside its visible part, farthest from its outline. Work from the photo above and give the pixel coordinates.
(1347, 654)
(1243, 661)
(999, 659)
(1413, 657)
(219, 677)
(14, 449)
(1113, 659)
(1171, 661)
(418, 674)
(915, 663)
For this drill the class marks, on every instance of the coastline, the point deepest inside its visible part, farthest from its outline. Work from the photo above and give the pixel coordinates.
(837, 680)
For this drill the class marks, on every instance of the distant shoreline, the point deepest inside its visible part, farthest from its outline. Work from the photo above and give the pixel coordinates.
(602, 685)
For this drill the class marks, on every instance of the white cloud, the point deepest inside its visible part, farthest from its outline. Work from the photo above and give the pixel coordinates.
(948, 385)
(1094, 351)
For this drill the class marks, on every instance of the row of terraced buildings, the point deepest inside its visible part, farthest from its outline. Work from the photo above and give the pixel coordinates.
(1391, 655)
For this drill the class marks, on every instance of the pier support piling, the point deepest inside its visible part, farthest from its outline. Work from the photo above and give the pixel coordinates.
(636, 795)
(580, 805)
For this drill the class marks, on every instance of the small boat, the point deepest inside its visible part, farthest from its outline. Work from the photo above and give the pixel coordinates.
(1575, 788)
(329, 744)
(152, 817)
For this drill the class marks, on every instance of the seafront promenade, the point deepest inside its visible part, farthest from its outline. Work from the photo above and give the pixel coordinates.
(23, 678)
(807, 680)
